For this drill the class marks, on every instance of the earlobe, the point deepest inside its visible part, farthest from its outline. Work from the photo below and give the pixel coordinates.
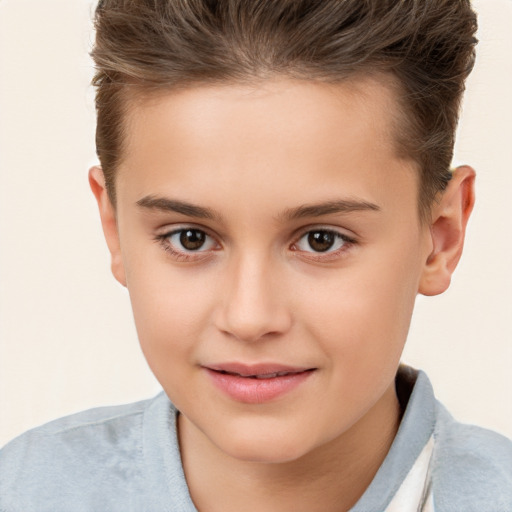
(108, 222)
(448, 228)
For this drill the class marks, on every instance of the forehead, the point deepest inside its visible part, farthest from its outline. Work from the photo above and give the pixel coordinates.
(287, 106)
(294, 134)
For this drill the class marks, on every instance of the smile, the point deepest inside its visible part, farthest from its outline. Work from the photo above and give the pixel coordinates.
(262, 375)
(256, 384)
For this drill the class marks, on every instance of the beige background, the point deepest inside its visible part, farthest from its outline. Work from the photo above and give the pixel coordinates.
(67, 340)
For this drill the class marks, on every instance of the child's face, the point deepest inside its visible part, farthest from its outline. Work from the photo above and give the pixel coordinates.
(270, 229)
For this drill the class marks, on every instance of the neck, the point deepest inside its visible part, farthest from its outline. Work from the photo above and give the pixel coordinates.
(330, 478)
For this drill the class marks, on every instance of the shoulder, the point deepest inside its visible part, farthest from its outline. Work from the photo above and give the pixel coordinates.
(72, 434)
(471, 467)
(96, 449)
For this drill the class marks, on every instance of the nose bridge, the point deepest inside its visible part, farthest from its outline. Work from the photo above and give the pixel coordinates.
(253, 304)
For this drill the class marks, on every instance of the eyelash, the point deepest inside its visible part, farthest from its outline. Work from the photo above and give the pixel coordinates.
(328, 254)
(321, 256)
(163, 240)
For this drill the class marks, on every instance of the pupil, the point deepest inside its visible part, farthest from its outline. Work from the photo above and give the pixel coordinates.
(192, 239)
(321, 241)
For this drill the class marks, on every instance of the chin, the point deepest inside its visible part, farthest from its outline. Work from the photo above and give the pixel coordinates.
(263, 448)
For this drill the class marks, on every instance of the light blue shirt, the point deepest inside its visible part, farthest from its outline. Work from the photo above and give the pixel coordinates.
(127, 458)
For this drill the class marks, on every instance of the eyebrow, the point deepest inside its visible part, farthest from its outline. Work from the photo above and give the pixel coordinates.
(329, 208)
(309, 210)
(172, 205)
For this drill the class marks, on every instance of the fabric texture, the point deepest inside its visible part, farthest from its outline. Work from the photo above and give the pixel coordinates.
(127, 458)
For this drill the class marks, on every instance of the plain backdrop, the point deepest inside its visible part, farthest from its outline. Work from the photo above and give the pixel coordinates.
(67, 339)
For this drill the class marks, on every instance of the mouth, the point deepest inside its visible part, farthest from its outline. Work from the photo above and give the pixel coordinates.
(256, 384)
(258, 371)
(272, 375)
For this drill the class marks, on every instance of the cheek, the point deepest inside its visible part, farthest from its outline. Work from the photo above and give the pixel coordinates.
(361, 316)
(360, 324)
(170, 312)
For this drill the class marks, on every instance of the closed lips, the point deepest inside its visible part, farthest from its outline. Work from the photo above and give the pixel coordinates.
(257, 383)
(270, 375)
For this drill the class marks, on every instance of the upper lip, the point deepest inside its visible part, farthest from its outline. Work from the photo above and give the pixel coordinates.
(251, 370)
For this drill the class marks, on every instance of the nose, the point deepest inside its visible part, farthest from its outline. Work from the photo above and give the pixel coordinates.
(253, 305)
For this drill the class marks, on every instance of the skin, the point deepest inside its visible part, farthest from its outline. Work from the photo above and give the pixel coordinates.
(258, 292)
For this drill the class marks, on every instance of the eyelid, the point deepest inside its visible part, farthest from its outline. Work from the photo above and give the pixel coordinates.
(163, 234)
(343, 232)
(327, 256)
(208, 240)
(171, 229)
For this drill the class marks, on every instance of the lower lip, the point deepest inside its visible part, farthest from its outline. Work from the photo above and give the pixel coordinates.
(256, 391)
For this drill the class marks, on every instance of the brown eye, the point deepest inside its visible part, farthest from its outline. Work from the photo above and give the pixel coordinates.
(321, 241)
(188, 244)
(192, 239)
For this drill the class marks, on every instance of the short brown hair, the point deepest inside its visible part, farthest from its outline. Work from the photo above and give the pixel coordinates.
(427, 47)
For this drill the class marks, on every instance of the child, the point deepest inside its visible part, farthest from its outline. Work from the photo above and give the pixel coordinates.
(275, 191)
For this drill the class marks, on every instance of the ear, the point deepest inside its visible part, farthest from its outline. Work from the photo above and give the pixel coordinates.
(108, 222)
(448, 228)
